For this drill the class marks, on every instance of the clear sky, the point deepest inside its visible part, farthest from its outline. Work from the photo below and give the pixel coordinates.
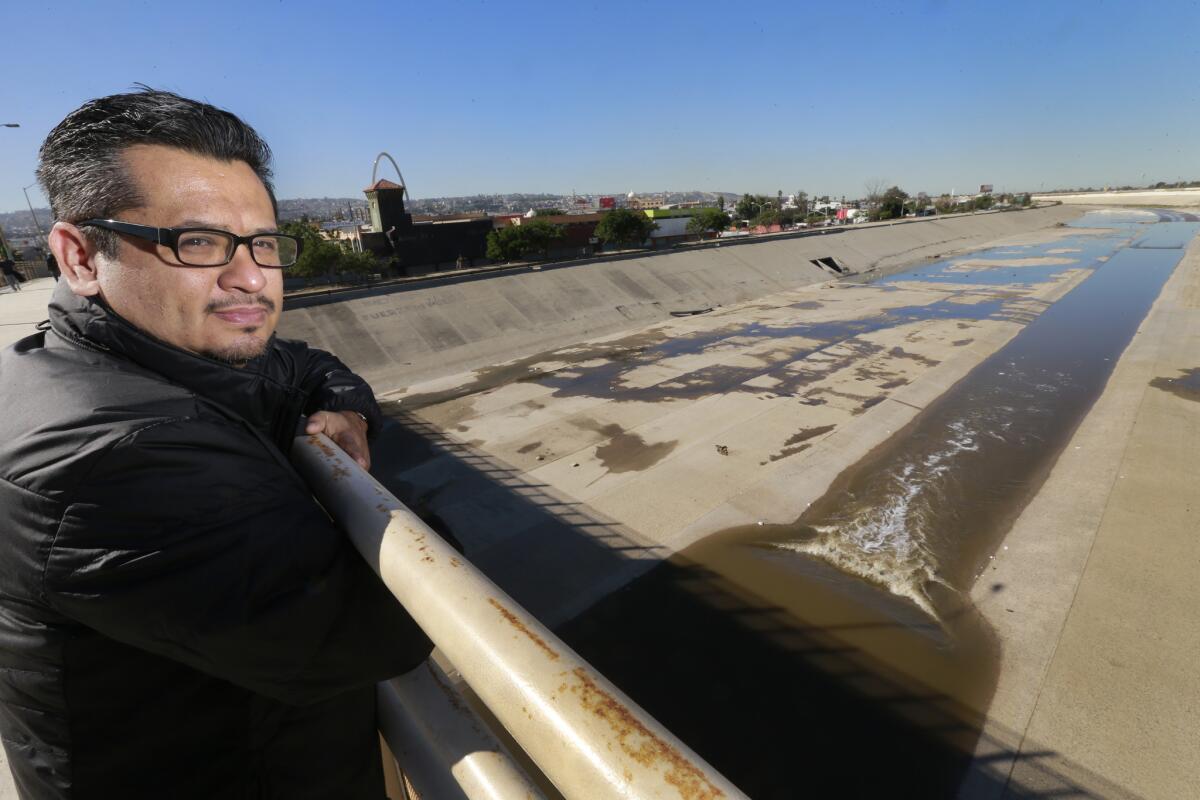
(620, 96)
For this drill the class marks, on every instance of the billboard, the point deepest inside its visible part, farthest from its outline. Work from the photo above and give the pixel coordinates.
(608, 202)
(985, 188)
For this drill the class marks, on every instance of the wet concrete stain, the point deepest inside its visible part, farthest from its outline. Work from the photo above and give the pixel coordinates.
(870, 402)
(961, 342)
(1187, 386)
(656, 345)
(798, 442)
(628, 452)
(900, 352)
(529, 448)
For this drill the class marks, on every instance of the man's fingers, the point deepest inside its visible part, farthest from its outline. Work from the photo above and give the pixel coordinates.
(354, 447)
(344, 428)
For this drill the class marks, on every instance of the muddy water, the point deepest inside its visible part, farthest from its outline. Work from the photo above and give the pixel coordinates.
(837, 655)
(921, 515)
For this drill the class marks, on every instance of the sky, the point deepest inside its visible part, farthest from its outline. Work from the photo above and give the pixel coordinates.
(605, 97)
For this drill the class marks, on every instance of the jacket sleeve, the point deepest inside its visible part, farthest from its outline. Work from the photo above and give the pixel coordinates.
(333, 387)
(190, 541)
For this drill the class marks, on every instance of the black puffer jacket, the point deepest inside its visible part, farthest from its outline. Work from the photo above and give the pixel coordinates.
(178, 617)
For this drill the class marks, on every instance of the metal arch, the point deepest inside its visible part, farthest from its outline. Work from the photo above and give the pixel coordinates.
(375, 171)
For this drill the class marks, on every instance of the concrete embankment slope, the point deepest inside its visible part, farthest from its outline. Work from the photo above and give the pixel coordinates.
(397, 335)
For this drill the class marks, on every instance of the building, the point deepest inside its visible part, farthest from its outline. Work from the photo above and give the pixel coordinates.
(414, 245)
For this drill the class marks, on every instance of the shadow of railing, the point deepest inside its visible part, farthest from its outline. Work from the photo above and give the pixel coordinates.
(781, 707)
(553, 554)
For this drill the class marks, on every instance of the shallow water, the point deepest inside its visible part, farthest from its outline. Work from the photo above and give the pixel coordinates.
(928, 508)
(840, 654)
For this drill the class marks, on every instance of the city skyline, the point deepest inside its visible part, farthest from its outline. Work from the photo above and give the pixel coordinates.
(485, 98)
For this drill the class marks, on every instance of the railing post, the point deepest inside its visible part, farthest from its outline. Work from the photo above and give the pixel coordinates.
(586, 736)
(445, 749)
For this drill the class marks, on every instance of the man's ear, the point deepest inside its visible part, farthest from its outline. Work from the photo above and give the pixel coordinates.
(76, 258)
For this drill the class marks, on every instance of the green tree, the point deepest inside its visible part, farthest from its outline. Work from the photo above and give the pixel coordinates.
(532, 237)
(363, 263)
(623, 226)
(802, 202)
(891, 204)
(708, 219)
(721, 202)
(984, 202)
(548, 212)
(768, 216)
(318, 255)
(504, 244)
(750, 206)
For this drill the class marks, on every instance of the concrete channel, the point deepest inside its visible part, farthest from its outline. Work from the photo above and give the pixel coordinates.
(675, 492)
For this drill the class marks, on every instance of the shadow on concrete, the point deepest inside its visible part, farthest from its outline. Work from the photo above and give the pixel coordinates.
(553, 554)
(781, 708)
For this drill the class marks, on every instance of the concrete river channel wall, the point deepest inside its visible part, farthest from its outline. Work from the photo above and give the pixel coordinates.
(400, 334)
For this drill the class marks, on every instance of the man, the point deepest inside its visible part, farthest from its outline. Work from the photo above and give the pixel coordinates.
(52, 266)
(178, 617)
(9, 268)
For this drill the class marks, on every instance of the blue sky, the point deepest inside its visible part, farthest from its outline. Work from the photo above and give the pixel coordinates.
(621, 96)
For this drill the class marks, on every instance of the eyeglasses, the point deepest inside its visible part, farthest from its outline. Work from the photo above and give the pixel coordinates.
(206, 247)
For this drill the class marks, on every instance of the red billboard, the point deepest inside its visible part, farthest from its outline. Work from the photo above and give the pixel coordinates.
(608, 202)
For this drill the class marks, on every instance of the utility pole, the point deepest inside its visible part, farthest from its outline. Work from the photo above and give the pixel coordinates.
(36, 224)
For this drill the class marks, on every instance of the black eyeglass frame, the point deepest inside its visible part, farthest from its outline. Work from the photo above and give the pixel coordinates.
(169, 237)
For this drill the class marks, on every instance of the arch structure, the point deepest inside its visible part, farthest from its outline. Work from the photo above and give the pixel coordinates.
(375, 172)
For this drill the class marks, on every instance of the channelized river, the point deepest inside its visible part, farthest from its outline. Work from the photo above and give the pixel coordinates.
(838, 655)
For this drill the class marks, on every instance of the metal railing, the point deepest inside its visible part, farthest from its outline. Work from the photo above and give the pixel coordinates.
(587, 738)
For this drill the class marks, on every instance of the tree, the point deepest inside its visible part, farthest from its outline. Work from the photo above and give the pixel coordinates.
(721, 202)
(802, 202)
(622, 226)
(984, 202)
(750, 206)
(791, 216)
(518, 241)
(363, 263)
(891, 204)
(318, 255)
(709, 219)
(768, 216)
(548, 212)
(504, 244)
(874, 188)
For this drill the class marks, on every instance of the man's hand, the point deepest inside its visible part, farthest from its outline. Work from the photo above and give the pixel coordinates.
(347, 429)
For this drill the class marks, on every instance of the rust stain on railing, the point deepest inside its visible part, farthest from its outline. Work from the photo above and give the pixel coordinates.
(520, 626)
(650, 751)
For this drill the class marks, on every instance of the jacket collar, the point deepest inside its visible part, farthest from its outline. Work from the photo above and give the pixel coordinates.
(257, 392)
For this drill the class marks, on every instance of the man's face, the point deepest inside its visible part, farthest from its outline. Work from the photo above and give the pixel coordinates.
(226, 312)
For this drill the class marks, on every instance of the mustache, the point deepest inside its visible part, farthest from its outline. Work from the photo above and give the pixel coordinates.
(259, 300)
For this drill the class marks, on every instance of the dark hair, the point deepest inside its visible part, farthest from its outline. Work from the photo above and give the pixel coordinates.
(81, 167)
